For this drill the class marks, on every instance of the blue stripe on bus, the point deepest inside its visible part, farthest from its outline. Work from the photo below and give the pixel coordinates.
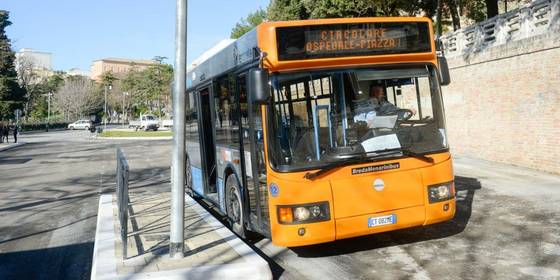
(197, 180)
(221, 194)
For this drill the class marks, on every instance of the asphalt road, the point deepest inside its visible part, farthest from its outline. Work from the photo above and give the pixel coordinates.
(49, 191)
(506, 225)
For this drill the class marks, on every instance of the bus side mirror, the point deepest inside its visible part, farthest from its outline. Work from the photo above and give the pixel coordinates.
(259, 89)
(444, 71)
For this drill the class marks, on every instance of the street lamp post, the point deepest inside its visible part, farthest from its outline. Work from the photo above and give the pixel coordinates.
(177, 230)
(124, 94)
(105, 108)
(48, 109)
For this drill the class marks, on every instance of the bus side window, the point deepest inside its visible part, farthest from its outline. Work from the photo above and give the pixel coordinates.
(223, 103)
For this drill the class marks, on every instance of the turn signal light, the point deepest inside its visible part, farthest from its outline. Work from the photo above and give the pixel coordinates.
(285, 215)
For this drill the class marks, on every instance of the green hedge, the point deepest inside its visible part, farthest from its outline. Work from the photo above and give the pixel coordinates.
(42, 126)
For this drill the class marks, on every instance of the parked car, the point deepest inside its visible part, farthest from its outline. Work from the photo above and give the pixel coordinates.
(80, 124)
(167, 123)
(145, 122)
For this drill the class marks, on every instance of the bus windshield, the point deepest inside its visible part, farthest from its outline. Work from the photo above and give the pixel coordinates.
(322, 117)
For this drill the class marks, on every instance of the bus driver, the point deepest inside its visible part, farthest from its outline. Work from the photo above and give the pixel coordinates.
(377, 105)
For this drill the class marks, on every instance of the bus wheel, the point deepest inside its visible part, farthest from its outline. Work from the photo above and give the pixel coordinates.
(234, 206)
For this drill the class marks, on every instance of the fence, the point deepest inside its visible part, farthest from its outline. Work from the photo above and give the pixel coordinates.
(539, 17)
(122, 197)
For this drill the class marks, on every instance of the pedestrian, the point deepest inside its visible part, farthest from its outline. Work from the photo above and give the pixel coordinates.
(6, 132)
(15, 130)
(1, 132)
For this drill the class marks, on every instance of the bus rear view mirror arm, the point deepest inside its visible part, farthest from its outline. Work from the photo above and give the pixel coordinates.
(259, 88)
(445, 77)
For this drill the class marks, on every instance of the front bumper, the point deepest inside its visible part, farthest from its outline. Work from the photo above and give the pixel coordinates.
(288, 235)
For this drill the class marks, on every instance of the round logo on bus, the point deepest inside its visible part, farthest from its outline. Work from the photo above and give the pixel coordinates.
(378, 185)
(274, 190)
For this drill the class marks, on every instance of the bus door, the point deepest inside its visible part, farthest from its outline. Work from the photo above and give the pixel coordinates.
(254, 166)
(208, 147)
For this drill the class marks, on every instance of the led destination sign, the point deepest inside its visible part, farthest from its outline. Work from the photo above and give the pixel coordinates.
(356, 39)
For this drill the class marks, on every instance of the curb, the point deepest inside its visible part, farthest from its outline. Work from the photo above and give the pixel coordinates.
(42, 131)
(104, 263)
(12, 146)
(104, 246)
(135, 138)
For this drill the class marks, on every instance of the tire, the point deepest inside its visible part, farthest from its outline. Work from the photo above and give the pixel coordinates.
(155, 129)
(87, 127)
(71, 128)
(234, 206)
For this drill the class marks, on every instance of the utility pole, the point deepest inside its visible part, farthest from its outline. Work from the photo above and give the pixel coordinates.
(48, 109)
(105, 109)
(124, 94)
(177, 239)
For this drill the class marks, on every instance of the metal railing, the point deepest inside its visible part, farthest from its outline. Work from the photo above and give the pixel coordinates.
(122, 198)
(539, 17)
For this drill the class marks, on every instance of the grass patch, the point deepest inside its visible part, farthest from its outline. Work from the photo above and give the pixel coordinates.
(120, 133)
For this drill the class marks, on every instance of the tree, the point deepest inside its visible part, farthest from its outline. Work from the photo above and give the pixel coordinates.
(11, 94)
(149, 89)
(51, 84)
(246, 25)
(108, 78)
(286, 10)
(453, 11)
(315, 9)
(491, 8)
(77, 98)
(30, 80)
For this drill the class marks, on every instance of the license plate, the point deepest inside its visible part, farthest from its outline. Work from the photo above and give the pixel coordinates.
(382, 220)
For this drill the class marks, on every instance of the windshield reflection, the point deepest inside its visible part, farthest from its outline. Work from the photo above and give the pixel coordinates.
(323, 117)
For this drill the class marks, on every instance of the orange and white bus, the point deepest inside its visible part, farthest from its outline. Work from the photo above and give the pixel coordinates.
(318, 130)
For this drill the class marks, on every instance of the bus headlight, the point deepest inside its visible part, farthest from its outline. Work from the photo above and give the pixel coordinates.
(307, 213)
(441, 192)
(301, 214)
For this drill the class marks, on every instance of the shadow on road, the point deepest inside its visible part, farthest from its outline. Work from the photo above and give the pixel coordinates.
(466, 188)
(65, 262)
(14, 161)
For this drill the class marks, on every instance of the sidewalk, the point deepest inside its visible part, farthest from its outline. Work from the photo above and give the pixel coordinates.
(6, 146)
(211, 250)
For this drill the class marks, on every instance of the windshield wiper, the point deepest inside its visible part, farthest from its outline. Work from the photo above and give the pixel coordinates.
(329, 167)
(405, 152)
(415, 155)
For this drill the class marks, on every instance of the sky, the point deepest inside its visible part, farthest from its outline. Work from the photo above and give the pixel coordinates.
(77, 32)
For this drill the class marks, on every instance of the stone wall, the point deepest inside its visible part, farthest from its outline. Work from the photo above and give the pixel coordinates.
(504, 102)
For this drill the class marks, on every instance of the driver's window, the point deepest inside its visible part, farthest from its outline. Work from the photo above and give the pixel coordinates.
(415, 95)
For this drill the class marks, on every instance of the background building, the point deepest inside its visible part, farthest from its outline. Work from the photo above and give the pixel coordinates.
(78, 72)
(119, 66)
(40, 60)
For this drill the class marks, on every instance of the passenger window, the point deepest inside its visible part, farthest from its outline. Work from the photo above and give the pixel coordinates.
(224, 107)
(191, 123)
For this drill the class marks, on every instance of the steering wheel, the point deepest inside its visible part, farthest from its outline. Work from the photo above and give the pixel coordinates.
(407, 114)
